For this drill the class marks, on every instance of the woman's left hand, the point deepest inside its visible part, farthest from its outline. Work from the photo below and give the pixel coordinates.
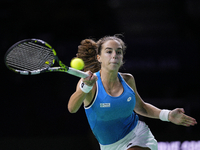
(178, 117)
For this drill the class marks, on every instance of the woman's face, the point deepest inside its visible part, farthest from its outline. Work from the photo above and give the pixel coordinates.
(111, 56)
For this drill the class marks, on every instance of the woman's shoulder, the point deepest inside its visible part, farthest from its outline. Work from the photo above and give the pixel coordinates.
(127, 77)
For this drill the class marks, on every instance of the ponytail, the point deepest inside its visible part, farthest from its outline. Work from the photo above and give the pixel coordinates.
(87, 51)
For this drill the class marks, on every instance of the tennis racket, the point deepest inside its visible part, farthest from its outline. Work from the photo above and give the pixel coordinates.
(35, 56)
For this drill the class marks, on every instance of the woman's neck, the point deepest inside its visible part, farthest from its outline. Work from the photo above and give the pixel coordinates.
(109, 78)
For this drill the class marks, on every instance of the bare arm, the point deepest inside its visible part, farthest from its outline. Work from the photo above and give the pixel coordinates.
(78, 97)
(175, 116)
(142, 108)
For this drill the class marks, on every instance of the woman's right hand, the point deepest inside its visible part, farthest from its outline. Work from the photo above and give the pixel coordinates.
(91, 79)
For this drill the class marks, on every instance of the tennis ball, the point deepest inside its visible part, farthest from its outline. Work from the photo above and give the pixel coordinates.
(77, 63)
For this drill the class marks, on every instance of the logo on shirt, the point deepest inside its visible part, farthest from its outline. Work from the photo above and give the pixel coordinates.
(129, 99)
(104, 104)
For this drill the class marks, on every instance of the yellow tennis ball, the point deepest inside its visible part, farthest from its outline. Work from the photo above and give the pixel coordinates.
(77, 63)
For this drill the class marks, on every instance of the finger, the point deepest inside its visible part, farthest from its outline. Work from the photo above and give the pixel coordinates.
(89, 72)
(185, 124)
(89, 75)
(94, 77)
(189, 120)
(181, 110)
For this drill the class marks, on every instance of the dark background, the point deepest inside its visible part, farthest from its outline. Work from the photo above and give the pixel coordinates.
(163, 43)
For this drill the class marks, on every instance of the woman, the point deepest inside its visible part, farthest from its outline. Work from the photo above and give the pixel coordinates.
(112, 102)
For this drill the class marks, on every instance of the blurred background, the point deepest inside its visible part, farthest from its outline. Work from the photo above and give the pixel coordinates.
(163, 41)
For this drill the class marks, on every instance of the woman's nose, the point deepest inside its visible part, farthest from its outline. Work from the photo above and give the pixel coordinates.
(114, 54)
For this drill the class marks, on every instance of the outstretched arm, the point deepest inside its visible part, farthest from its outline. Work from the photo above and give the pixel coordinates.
(175, 116)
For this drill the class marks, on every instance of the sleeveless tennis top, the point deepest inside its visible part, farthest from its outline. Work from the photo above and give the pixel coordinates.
(112, 118)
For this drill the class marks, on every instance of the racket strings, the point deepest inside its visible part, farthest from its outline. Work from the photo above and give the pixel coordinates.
(28, 60)
(30, 56)
(19, 59)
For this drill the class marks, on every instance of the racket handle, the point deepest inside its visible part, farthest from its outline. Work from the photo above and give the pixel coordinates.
(77, 73)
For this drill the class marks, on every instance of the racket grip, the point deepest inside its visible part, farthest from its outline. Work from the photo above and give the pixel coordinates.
(77, 73)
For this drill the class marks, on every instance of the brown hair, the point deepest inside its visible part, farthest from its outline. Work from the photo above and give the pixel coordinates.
(107, 38)
(89, 49)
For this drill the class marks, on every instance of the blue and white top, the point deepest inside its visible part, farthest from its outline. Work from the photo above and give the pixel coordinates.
(112, 118)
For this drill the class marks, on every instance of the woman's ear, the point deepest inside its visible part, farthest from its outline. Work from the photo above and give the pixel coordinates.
(99, 58)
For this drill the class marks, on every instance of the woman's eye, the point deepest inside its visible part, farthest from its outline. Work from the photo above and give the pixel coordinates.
(119, 52)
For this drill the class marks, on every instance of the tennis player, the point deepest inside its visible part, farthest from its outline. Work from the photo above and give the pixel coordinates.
(111, 100)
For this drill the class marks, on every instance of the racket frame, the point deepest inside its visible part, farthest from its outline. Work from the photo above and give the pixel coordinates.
(62, 67)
